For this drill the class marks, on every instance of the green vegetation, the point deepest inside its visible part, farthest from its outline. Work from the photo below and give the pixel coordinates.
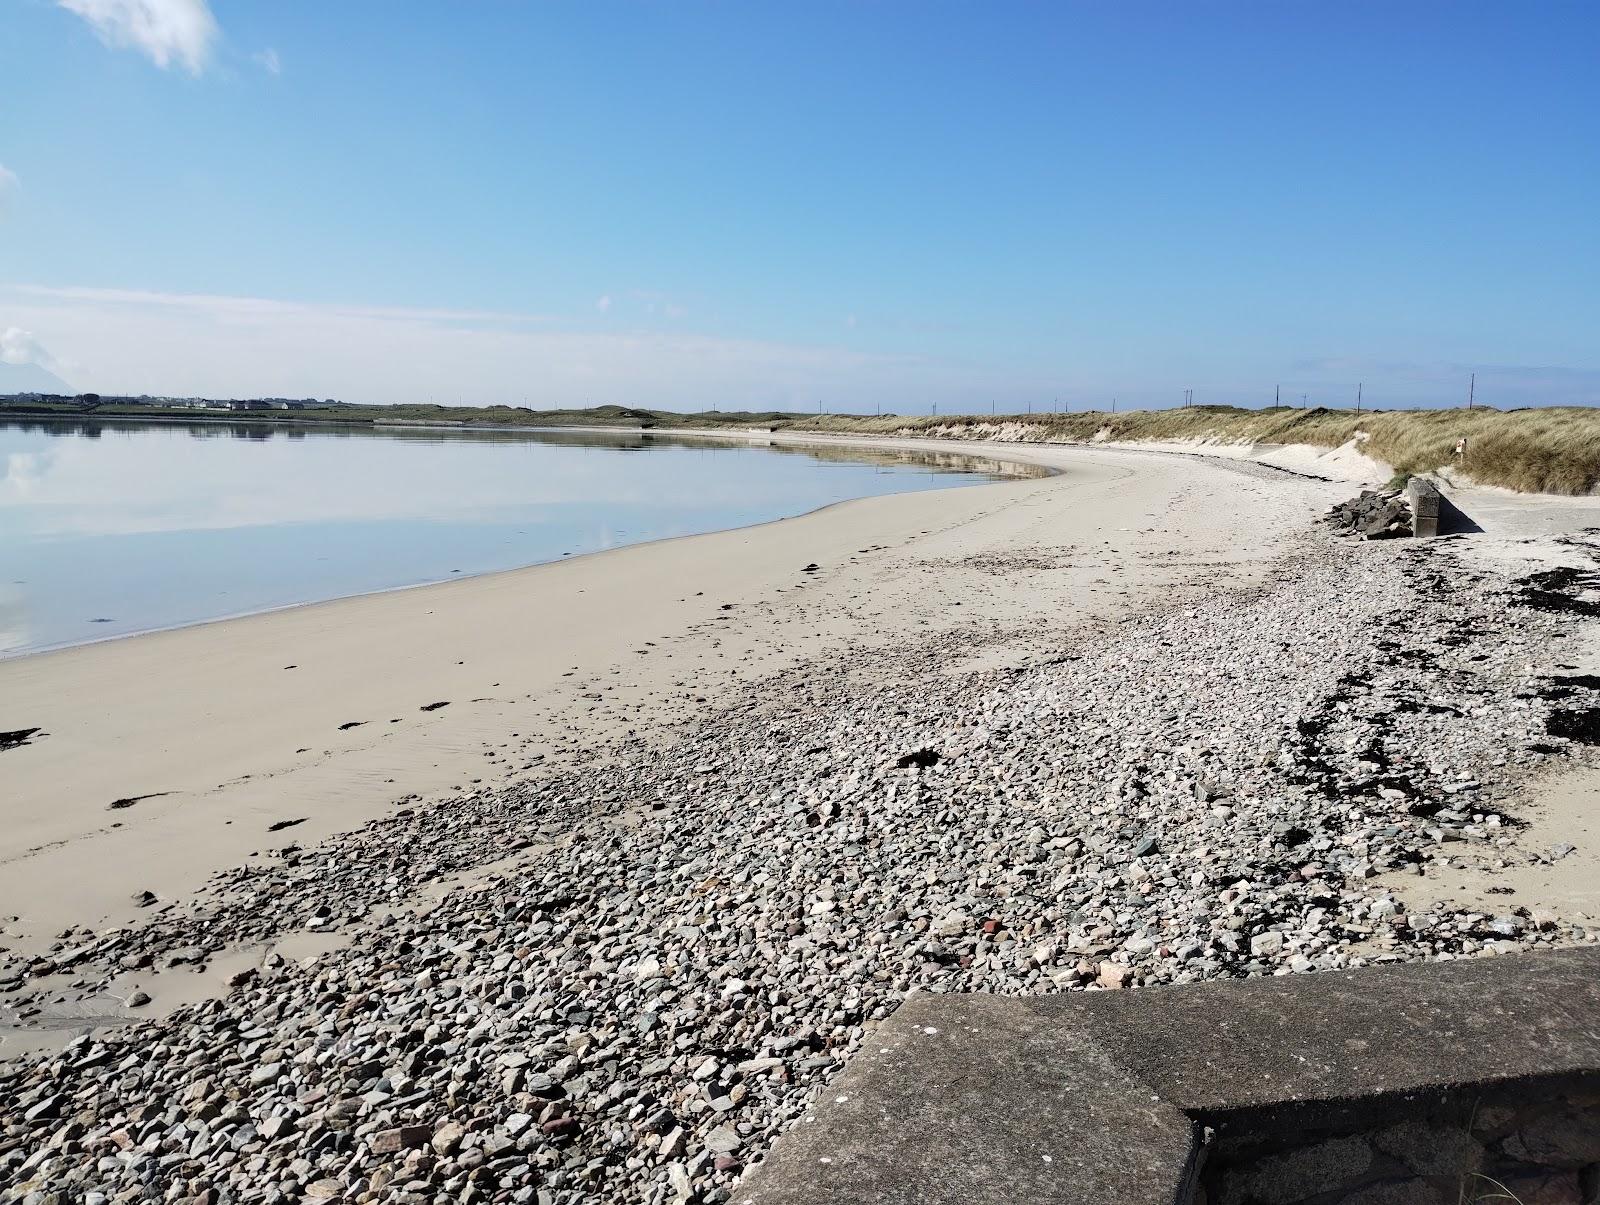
(1554, 450)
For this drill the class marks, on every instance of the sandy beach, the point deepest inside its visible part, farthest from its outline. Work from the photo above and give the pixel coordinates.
(164, 757)
(695, 817)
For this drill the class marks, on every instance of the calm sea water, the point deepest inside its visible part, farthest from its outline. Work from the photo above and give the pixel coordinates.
(108, 528)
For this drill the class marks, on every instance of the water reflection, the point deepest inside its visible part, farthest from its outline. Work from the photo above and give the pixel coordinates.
(108, 527)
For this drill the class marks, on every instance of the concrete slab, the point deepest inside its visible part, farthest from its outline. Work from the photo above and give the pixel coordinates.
(1089, 1097)
(1347, 1035)
(972, 1099)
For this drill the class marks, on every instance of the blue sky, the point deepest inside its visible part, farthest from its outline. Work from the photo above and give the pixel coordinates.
(775, 205)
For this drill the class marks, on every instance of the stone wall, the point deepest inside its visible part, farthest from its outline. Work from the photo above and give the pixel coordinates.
(1537, 1144)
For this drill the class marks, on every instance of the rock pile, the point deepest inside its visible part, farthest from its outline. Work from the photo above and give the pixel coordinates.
(650, 967)
(1373, 515)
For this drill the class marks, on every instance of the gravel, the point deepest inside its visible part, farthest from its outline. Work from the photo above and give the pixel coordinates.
(646, 968)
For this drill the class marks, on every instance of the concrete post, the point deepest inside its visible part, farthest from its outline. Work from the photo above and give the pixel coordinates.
(1424, 497)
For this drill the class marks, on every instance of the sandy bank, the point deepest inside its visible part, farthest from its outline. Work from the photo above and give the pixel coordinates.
(1351, 461)
(165, 757)
(1348, 462)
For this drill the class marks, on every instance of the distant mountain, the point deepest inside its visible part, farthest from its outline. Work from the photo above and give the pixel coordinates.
(31, 378)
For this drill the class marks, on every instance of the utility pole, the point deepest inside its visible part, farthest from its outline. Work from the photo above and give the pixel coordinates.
(1472, 391)
(1113, 405)
(1276, 391)
(1358, 397)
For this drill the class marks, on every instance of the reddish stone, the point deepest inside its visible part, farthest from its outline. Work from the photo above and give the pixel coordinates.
(560, 1127)
(1114, 975)
(387, 1142)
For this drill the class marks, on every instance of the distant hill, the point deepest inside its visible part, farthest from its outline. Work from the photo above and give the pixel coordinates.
(31, 378)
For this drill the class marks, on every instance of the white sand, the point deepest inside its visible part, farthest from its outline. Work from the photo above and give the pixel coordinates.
(1348, 462)
(222, 739)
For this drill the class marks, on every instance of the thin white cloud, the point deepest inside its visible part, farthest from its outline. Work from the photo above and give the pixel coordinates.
(269, 61)
(227, 307)
(18, 346)
(124, 341)
(9, 184)
(604, 303)
(168, 32)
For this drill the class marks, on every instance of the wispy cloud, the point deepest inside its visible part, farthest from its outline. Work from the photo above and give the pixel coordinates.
(168, 32)
(8, 187)
(226, 308)
(18, 346)
(604, 303)
(121, 340)
(269, 61)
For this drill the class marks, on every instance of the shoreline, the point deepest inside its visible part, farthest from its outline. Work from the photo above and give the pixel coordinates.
(213, 741)
(961, 453)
